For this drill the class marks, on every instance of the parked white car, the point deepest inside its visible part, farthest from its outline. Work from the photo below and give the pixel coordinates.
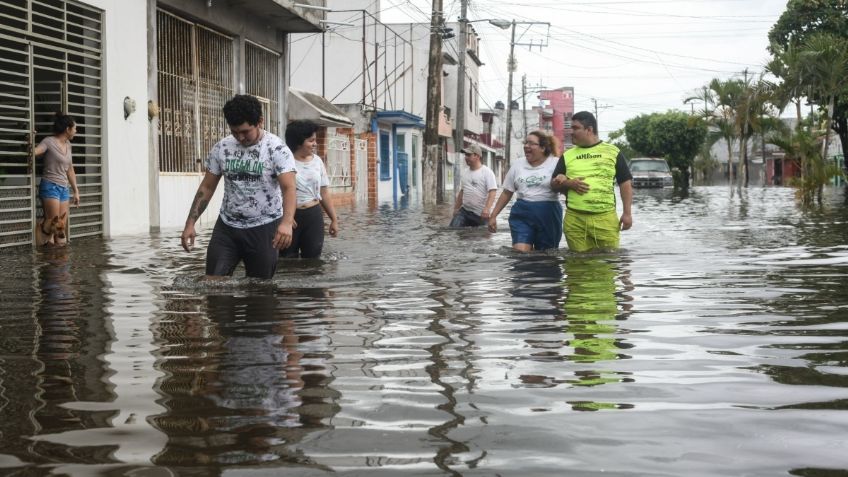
(651, 172)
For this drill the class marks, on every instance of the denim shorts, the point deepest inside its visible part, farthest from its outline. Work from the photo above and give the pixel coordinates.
(536, 223)
(51, 190)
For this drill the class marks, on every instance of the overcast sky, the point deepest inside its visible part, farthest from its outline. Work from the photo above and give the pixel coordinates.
(632, 56)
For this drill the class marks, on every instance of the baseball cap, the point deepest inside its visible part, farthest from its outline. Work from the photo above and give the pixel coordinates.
(472, 149)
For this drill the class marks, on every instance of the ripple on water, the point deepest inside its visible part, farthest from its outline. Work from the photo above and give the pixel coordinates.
(712, 343)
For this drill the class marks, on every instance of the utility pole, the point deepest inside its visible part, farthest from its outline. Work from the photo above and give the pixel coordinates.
(510, 66)
(524, 103)
(603, 106)
(434, 94)
(459, 131)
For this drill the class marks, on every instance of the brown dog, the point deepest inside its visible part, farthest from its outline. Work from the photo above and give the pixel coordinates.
(50, 232)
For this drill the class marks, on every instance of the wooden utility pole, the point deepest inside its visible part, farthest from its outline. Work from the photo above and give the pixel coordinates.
(459, 131)
(511, 66)
(524, 103)
(429, 168)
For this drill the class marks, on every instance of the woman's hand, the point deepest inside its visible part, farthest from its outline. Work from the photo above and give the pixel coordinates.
(75, 200)
(493, 223)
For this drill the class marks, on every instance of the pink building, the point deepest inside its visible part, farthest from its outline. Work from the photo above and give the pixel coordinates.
(555, 113)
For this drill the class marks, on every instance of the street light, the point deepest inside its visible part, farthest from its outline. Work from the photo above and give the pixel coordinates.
(459, 130)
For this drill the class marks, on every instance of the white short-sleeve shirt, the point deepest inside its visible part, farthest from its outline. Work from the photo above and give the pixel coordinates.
(530, 183)
(311, 177)
(475, 188)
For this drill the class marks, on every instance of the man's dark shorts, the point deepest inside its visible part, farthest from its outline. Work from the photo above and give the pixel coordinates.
(464, 218)
(230, 245)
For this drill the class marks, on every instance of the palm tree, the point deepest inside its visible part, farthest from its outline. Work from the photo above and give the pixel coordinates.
(720, 100)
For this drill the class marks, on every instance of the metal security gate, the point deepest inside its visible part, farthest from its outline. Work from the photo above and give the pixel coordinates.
(262, 79)
(50, 60)
(338, 162)
(196, 78)
(361, 161)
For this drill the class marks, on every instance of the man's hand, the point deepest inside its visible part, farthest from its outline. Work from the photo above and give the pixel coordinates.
(626, 221)
(283, 236)
(334, 228)
(577, 185)
(187, 238)
(493, 223)
(485, 214)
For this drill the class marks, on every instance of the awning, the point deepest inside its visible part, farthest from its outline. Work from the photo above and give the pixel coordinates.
(283, 15)
(305, 105)
(400, 118)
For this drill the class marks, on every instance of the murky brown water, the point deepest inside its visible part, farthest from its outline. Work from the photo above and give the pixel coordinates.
(715, 343)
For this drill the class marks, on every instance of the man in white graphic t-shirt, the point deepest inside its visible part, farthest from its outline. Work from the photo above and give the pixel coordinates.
(475, 198)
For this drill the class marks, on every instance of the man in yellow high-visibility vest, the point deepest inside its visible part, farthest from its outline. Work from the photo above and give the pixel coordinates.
(587, 175)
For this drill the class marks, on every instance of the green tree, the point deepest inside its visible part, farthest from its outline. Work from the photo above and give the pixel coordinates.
(674, 135)
(618, 139)
(802, 20)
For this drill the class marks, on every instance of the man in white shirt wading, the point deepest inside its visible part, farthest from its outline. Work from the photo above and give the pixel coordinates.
(477, 194)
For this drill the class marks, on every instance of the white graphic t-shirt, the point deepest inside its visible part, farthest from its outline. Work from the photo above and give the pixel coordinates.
(252, 194)
(529, 183)
(311, 177)
(475, 188)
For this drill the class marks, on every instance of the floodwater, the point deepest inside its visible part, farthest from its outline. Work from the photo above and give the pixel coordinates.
(713, 344)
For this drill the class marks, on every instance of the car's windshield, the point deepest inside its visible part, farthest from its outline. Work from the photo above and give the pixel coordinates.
(648, 166)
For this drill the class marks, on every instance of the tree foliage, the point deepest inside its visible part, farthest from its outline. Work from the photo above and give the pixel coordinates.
(820, 27)
(618, 139)
(673, 135)
(804, 17)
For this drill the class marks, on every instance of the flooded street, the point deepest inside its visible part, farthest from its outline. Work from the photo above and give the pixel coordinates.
(713, 344)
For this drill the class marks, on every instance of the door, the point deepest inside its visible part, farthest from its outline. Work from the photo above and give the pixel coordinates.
(17, 172)
(47, 67)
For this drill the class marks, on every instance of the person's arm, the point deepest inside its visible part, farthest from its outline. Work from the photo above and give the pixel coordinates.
(506, 196)
(201, 199)
(288, 187)
(490, 199)
(327, 205)
(39, 150)
(560, 182)
(625, 188)
(626, 191)
(72, 180)
(457, 203)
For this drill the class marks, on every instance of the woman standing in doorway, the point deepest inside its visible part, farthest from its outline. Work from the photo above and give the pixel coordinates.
(536, 217)
(58, 187)
(312, 191)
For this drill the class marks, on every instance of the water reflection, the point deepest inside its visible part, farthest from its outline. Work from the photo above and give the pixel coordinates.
(238, 390)
(413, 350)
(592, 292)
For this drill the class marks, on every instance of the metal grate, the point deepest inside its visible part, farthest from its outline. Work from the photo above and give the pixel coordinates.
(262, 71)
(195, 80)
(50, 60)
(338, 161)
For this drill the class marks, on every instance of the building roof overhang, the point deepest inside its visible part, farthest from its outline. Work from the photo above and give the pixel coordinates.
(400, 118)
(306, 105)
